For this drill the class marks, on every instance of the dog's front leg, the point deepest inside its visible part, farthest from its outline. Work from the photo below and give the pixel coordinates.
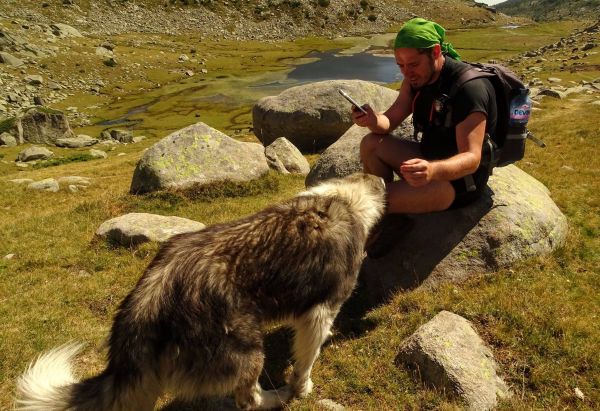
(311, 331)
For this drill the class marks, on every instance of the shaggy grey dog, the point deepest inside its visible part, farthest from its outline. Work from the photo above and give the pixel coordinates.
(193, 324)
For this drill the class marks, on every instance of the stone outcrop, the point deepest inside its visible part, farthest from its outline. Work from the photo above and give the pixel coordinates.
(285, 158)
(135, 228)
(197, 154)
(315, 115)
(448, 354)
(42, 126)
(515, 219)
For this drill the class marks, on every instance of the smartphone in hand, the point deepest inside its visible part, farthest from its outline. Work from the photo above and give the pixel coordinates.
(351, 100)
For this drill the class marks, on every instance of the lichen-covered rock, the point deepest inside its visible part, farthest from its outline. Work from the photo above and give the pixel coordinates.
(284, 157)
(515, 219)
(135, 228)
(197, 154)
(315, 115)
(448, 354)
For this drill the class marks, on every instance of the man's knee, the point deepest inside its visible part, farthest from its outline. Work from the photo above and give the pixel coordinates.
(369, 144)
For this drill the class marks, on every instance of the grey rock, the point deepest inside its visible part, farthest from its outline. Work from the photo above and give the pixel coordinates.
(554, 80)
(34, 79)
(138, 139)
(42, 126)
(10, 60)
(343, 158)
(76, 142)
(98, 153)
(7, 140)
(34, 153)
(448, 354)
(282, 152)
(514, 219)
(48, 184)
(104, 52)
(329, 405)
(74, 180)
(21, 181)
(314, 116)
(122, 136)
(197, 154)
(64, 30)
(552, 93)
(135, 228)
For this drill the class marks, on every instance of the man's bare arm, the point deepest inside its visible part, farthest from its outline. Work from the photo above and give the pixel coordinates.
(469, 139)
(383, 123)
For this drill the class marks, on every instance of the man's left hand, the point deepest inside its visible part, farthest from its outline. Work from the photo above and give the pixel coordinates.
(417, 172)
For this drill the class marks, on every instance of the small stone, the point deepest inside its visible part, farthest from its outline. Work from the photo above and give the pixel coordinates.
(579, 393)
(11, 256)
(567, 168)
(554, 79)
(329, 405)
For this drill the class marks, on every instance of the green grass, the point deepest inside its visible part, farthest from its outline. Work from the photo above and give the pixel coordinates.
(540, 317)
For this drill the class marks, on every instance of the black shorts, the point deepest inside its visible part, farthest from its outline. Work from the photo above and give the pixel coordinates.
(465, 197)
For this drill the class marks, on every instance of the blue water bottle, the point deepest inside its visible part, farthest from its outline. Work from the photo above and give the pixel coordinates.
(514, 144)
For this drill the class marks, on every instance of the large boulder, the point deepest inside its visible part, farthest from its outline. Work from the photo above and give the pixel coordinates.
(313, 116)
(135, 228)
(81, 140)
(197, 154)
(41, 125)
(515, 219)
(447, 354)
(343, 157)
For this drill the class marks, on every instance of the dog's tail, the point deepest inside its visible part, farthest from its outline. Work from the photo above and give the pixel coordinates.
(46, 384)
(49, 385)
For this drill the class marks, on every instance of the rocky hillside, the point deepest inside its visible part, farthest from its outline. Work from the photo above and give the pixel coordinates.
(244, 19)
(542, 10)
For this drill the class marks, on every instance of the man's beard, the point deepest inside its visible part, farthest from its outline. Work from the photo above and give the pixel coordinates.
(431, 75)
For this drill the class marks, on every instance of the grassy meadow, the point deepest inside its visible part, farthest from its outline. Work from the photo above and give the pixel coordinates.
(540, 317)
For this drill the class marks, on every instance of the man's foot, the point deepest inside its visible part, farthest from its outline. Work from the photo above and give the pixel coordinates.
(386, 233)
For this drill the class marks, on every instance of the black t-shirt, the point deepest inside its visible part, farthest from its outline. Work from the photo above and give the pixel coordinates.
(478, 95)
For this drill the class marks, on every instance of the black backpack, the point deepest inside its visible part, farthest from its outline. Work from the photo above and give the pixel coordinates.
(508, 144)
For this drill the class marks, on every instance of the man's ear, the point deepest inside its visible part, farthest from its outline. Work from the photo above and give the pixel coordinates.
(437, 51)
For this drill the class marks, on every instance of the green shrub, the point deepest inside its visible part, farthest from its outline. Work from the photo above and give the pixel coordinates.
(324, 3)
(7, 124)
(64, 160)
(229, 189)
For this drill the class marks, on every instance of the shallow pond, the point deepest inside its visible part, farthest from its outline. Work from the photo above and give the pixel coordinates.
(224, 102)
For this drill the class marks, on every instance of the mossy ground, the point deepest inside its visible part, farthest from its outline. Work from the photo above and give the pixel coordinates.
(539, 317)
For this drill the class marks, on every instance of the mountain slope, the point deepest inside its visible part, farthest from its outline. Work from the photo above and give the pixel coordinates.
(248, 19)
(541, 10)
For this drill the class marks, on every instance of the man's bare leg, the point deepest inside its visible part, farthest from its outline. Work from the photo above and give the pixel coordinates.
(382, 155)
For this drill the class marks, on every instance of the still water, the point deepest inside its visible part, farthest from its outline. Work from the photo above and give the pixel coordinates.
(333, 66)
(231, 93)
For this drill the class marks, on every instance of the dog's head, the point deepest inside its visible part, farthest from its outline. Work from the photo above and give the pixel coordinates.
(365, 194)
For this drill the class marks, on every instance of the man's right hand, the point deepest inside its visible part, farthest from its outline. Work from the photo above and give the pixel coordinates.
(364, 120)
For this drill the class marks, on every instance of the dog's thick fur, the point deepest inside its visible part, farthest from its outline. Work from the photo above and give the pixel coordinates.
(193, 323)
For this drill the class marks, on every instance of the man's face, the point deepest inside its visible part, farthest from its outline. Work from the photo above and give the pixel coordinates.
(417, 68)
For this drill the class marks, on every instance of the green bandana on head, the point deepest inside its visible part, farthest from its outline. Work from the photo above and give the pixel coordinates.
(419, 33)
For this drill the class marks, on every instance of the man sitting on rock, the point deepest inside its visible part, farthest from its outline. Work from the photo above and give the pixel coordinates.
(443, 167)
